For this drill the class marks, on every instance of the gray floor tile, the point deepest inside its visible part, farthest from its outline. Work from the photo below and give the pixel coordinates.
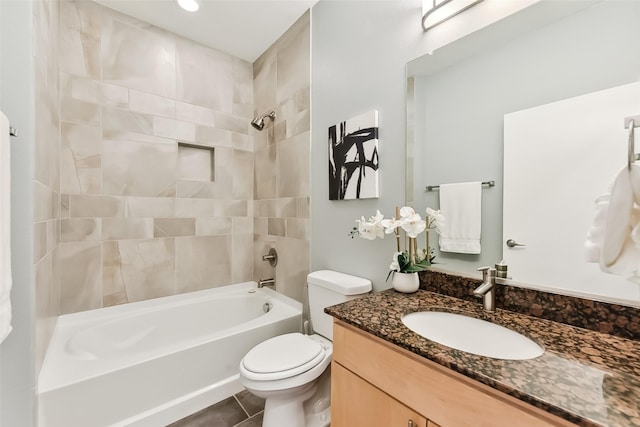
(250, 402)
(226, 413)
(255, 421)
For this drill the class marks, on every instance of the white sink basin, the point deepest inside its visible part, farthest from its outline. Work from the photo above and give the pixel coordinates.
(472, 335)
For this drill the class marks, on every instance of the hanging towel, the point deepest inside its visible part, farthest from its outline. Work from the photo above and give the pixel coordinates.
(614, 237)
(5, 224)
(461, 205)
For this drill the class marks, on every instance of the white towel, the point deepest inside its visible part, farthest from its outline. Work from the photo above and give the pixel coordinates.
(614, 237)
(5, 228)
(461, 205)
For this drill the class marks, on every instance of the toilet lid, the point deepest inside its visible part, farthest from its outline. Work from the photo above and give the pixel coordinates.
(289, 354)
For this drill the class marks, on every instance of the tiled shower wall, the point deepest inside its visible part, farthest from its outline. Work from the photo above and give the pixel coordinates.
(281, 180)
(141, 215)
(47, 173)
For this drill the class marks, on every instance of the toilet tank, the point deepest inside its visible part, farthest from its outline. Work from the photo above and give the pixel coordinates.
(328, 288)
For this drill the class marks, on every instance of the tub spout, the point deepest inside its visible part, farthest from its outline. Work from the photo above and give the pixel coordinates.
(266, 282)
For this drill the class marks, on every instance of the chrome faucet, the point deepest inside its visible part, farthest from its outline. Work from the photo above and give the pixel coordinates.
(487, 290)
(266, 282)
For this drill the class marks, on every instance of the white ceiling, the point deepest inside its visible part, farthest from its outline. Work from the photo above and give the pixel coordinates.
(243, 28)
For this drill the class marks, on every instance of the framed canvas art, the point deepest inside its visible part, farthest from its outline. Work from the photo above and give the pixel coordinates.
(353, 158)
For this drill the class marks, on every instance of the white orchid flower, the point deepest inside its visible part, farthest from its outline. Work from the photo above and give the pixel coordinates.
(371, 229)
(413, 225)
(406, 211)
(390, 225)
(395, 265)
(436, 220)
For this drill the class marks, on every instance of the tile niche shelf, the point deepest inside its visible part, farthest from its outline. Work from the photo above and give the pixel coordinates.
(196, 162)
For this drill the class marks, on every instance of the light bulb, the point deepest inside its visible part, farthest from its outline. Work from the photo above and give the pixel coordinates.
(189, 5)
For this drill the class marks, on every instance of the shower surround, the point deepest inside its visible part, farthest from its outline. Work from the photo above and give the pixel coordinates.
(144, 214)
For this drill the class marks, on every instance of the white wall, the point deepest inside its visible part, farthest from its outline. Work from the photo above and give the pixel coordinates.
(359, 52)
(17, 377)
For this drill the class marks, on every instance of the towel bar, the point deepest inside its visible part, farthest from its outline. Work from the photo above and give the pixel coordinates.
(631, 123)
(13, 131)
(436, 187)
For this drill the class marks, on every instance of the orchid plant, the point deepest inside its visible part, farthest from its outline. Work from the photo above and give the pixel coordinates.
(408, 258)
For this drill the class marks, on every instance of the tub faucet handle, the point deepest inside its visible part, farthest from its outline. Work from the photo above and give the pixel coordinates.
(272, 257)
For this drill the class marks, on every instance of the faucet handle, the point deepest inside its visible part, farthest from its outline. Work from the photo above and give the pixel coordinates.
(487, 271)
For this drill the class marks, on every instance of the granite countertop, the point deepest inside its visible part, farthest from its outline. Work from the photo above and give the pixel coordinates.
(586, 377)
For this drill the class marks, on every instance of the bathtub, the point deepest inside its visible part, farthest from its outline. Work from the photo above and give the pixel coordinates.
(153, 362)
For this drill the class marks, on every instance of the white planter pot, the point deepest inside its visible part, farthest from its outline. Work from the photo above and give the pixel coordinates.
(405, 282)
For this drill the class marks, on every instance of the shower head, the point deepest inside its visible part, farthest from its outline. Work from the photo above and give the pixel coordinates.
(258, 122)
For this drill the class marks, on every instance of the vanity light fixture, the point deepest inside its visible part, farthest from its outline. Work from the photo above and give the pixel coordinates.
(189, 5)
(435, 12)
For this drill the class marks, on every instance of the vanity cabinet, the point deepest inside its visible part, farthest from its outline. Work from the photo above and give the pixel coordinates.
(377, 383)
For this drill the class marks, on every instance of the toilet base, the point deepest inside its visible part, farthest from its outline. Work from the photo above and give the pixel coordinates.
(288, 410)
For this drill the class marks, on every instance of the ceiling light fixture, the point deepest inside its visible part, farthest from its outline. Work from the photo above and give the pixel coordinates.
(189, 5)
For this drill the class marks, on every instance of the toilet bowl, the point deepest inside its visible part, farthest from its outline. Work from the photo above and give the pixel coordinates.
(292, 371)
(284, 371)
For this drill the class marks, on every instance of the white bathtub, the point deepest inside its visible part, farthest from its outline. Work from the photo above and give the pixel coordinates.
(153, 362)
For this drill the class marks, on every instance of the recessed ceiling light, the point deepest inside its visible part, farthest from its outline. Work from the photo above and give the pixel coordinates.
(189, 5)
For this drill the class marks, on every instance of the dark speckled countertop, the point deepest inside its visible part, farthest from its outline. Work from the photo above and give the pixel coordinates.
(586, 377)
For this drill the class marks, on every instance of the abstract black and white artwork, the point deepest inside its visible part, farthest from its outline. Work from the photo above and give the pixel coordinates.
(353, 158)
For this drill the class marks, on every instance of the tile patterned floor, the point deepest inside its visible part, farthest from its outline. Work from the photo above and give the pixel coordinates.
(241, 410)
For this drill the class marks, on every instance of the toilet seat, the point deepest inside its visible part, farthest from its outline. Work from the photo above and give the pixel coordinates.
(282, 357)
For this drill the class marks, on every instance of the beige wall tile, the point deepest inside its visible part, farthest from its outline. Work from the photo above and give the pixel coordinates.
(292, 268)
(242, 225)
(123, 120)
(155, 105)
(76, 111)
(150, 207)
(201, 190)
(114, 290)
(212, 226)
(277, 227)
(194, 208)
(138, 59)
(232, 123)
(95, 206)
(79, 41)
(298, 228)
(174, 227)
(231, 208)
(146, 269)
(203, 262)
(114, 96)
(174, 129)
(80, 159)
(302, 207)
(134, 168)
(213, 137)
(80, 276)
(195, 163)
(242, 174)
(205, 76)
(242, 260)
(78, 230)
(265, 82)
(265, 173)
(39, 240)
(80, 88)
(195, 114)
(293, 166)
(127, 228)
(294, 63)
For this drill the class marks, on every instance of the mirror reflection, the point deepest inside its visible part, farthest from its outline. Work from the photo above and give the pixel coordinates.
(541, 59)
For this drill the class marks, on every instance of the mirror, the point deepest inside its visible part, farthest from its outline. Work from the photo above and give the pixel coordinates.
(457, 99)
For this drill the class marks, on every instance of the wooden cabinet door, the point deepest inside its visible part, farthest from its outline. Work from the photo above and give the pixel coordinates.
(356, 403)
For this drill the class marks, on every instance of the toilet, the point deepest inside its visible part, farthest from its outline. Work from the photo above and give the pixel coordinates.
(292, 371)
